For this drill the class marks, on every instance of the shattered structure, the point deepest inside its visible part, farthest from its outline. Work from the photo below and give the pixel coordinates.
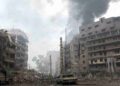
(67, 59)
(21, 51)
(7, 54)
(71, 56)
(75, 54)
(100, 46)
(96, 49)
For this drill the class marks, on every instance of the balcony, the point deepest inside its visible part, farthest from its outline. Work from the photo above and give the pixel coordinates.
(113, 54)
(96, 50)
(97, 63)
(10, 50)
(104, 43)
(97, 57)
(104, 35)
(108, 55)
(22, 58)
(98, 69)
(9, 60)
(22, 46)
(104, 49)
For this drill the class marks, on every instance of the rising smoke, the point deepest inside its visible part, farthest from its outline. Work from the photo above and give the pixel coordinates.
(87, 10)
(84, 12)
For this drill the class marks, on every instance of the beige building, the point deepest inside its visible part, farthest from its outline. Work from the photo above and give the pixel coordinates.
(100, 46)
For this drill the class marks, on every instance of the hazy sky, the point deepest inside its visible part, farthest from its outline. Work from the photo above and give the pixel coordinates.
(44, 21)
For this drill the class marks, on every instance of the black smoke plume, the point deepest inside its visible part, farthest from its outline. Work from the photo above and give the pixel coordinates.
(83, 12)
(87, 10)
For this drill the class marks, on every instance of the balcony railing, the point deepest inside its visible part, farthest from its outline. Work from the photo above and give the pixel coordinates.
(96, 57)
(95, 63)
(104, 43)
(98, 69)
(104, 49)
(9, 60)
(109, 55)
(10, 50)
(113, 54)
(103, 35)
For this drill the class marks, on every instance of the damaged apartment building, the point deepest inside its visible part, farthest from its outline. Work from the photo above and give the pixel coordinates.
(21, 51)
(7, 53)
(14, 50)
(96, 49)
(100, 46)
(71, 56)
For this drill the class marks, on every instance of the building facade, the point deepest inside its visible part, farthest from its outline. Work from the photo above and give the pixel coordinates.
(67, 59)
(71, 56)
(21, 52)
(75, 54)
(7, 54)
(100, 46)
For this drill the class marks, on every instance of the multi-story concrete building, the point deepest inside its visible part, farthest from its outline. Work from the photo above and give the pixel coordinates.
(100, 46)
(67, 59)
(75, 54)
(7, 53)
(71, 56)
(21, 52)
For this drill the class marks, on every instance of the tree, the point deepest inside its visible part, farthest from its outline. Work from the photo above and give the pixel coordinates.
(41, 63)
